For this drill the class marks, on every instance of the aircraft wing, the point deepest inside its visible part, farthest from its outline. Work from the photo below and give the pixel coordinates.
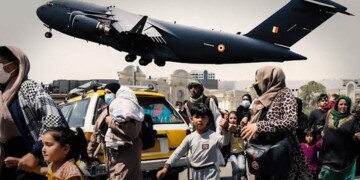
(125, 22)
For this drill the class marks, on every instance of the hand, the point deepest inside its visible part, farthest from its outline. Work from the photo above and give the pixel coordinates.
(160, 174)
(357, 135)
(11, 161)
(244, 121)
(224, 123)
(28, 162)
(248, 132)
(232, 127)
(108, 119)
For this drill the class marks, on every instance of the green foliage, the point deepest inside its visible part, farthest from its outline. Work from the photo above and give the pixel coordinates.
(309, 93)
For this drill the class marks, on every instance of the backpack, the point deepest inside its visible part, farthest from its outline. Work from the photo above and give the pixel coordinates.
(148, 134)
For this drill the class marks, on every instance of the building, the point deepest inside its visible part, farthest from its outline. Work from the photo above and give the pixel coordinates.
(206, 78)
(228, 93)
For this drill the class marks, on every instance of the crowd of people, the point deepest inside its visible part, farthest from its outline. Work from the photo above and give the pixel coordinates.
(37, 143)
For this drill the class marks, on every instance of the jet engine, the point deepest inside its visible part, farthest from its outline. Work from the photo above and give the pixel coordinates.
(84, 25)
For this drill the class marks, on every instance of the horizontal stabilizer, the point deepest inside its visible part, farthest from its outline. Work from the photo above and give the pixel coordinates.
(295, 20)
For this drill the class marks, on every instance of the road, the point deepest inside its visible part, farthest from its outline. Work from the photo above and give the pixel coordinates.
(225, 173)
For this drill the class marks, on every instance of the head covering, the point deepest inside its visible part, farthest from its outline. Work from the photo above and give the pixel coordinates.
(14, 82)
(8, 128)
(125, 106)
(270, 80)
(337, 116)
(196, 84)
(113, 87)
(248, 96)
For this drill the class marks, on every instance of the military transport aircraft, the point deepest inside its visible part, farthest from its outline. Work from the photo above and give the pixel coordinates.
(152, 39)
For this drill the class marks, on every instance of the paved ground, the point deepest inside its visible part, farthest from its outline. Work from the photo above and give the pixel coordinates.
(225, 173)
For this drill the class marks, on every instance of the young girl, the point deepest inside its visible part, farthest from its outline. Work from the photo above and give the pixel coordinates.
(311, 150)
(62, 148)
(237, 156)
(202, 143)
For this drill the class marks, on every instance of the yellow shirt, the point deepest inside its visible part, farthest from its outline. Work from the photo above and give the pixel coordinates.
(236, 143)
(66, 171)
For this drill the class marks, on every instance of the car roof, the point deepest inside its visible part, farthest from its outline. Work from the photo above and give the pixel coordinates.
(100, 92)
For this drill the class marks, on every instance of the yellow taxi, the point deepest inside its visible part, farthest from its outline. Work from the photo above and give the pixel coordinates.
(85, 105)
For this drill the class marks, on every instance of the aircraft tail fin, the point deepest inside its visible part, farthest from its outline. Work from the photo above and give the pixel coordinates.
(295, 20)
(139, 27)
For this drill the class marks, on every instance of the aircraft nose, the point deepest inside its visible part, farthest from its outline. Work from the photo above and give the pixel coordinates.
(40, 12)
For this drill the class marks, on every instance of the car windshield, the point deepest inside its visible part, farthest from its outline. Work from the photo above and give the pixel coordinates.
(160, 110)
(75, 112)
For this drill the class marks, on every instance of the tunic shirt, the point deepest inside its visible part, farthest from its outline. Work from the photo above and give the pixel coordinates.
(203, 148)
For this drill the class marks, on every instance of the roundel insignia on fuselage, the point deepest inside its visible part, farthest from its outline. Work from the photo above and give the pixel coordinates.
(221, 48)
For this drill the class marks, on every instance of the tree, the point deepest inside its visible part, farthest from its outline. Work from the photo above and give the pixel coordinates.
(308, 94)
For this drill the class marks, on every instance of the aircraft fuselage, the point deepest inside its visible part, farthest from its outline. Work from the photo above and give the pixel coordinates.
(177, 43)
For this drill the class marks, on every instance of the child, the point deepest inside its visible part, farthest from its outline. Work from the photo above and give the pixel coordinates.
(62, 148)
(202, 143)
(310, 150)
(237, 156)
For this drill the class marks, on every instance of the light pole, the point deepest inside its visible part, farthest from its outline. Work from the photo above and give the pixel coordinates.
(134, 75)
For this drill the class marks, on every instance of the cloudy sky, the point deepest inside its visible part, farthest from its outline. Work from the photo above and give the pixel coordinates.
(333, 49)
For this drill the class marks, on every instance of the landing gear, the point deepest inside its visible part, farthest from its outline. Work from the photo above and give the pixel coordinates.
(160, 62)
(48, 34)
(130, 58)
(144, 61)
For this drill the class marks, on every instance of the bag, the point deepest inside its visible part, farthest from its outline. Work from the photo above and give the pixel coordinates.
(269, 160)
(148, 134)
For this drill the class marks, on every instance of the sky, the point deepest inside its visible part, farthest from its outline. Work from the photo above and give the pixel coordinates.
(333, 49)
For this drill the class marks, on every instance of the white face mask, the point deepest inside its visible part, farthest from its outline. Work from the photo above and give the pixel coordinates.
(4, 76)
(245, 103)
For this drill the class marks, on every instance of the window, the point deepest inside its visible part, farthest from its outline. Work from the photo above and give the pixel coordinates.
(99, 108)
(75, 112)
(160, 110)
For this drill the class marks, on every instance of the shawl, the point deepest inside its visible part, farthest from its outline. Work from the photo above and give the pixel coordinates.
(270, 80)
(336, 115)
(8, 127)
(126, 106)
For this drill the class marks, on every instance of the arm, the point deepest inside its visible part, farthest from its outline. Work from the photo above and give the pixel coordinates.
(41, 170)
(13, 161)
(131, 129)
(41, 113)
(225, 138)
(93, 139)
(180, 150)
(356, 128)
(216, 113)
(175, 156)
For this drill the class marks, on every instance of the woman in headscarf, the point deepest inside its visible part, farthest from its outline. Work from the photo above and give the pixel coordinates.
(122, 140)
(243, 111)
(273, 114)
(26, 111)
(97, 137)
(340, 147)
